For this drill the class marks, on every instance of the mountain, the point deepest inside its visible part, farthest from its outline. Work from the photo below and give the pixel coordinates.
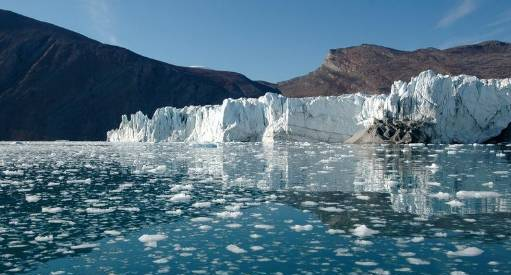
(58, 84)
(373, 69)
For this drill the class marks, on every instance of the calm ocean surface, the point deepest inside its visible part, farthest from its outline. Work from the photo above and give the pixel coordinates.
(252, 208)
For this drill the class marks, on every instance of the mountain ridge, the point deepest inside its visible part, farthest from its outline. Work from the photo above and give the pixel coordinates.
(59, 84)
(372, 68)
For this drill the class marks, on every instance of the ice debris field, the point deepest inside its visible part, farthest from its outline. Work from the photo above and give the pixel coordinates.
(254, 208)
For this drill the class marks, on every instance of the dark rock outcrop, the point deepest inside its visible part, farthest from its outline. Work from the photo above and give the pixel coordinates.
(373, 69)
(393, 131)
(58, 84)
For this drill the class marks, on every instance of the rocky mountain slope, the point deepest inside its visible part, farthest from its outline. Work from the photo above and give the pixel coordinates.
(373, 69)
(58, 84)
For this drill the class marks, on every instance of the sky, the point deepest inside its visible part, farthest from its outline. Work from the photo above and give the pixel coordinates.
(271, 40)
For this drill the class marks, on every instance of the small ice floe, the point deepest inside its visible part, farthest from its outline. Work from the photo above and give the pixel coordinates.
(433, 168)
(233, 225)
(465, 252)
(309, 203)
(202, 204)
(51, 210)
(500, 155)
(256, 248)
(84, 246)
(417, 239)
(366, 263)
(129, 209)
(205, 227)
(201, 219)
(362, 197)
(457, 272)
(32, 198)
(48, 238)
(455, 203)
(181, 187)
(417, 261)
(235, 249)
(158, 169)
(264, 226)
(152, 240)
(434, 183)
(440, 196)
(331, 209)
(177, 212)
(300, 228)
(112, 232)
(440, 234)
(85, 181)
(228, 214)
(363, 242)
(180, 197)
(476, 194)
(362, 231)
(13, 172)
(94, 210)
(335, 231)
(488, 184)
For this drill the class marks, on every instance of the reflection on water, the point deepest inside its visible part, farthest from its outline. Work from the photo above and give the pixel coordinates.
(81, 207)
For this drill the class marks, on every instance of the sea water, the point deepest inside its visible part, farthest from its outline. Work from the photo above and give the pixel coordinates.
(254, 208)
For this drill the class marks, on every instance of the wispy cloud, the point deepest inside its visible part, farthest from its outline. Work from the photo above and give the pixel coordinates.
(101, 17)
(464, 8)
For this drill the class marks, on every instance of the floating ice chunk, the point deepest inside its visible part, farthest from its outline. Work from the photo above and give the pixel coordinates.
(13, 172)
(465, 252)
(363, 197)
(362, 231)
(440, 196)
(94, 210)
(256, 248)
(488, 184)
(112, 232)
(476, 194)
(457, 272)
(229, 214)
(433, 168)
(152, 240)
(85, 181)
(455, 203)
(264, 226)
(129, 209)
(309, 203)
(500, 155)
(204, 204)
(331, 209)
(201, 219)
(235, 249)
(177, 212)
(158, 169)
(84, 246)
(51, 210)
(48, 238)
(366, 263)
(300, 228)
(32, 198)
(335, 231)
(180, 197)
(233, 225)
(181, 187)
(417, 239)
(417, 261)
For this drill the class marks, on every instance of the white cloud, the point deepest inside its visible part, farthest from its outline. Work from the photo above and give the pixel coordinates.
(463, 9)
(101, 16)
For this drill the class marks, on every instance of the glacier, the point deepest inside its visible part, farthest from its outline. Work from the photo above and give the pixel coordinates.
(455, 109)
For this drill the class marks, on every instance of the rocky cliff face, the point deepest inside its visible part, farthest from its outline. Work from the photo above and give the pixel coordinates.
(373, 69)
(57, 84)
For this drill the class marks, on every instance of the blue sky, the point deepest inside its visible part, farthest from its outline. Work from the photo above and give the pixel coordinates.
(272, 40)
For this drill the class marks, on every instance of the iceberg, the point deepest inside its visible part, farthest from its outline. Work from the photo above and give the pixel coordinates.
(437, 108)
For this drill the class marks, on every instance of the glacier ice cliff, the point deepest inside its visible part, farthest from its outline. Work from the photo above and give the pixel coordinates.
(449, 109)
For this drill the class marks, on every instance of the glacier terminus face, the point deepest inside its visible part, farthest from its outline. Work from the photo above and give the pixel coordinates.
(456, 109)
